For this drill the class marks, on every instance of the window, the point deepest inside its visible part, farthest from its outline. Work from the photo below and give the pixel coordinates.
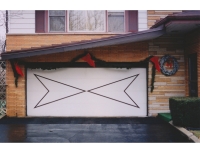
(87, 21)
(57, 20)
(115, 21)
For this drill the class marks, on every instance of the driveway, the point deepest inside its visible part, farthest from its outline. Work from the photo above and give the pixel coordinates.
(88, 130)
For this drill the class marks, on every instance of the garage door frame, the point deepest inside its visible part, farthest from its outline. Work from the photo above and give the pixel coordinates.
(54, 65)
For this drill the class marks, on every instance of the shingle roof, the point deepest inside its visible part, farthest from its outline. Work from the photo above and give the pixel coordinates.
(185, 15)
(114, 40)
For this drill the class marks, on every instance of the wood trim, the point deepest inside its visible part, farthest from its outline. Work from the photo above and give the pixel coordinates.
(126, 21)
(106, 14)
(133, 21)
(39, 21)
(46, 21)
(46, 65)
(66, 21)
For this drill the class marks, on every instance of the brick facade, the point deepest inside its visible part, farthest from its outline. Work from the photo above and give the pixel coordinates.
(155, 15)
(20, 41)
(16, 100)
(166, 86)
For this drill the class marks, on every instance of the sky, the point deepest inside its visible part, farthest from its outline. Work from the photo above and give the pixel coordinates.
(101, 4)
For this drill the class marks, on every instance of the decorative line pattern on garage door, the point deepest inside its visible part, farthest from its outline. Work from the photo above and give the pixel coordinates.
(48, 91)
(77, 91)
(135, 76)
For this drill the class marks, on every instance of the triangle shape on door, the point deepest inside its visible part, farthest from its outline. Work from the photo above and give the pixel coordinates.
(56, 91)
(117, 91)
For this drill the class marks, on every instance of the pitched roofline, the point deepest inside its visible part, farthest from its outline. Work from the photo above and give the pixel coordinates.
(115, 40)
(175, 18)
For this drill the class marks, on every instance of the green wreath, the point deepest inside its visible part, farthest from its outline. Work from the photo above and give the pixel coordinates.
(175, 65)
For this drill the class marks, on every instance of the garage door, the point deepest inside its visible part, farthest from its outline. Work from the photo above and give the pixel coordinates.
(87, 92)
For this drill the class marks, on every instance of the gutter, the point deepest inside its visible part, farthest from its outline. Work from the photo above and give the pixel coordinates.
(115, 40)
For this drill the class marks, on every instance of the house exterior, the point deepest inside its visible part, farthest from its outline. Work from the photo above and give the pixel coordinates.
(97, 63)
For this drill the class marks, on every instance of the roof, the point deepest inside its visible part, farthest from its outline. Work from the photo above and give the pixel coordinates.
(183, 16)
(179, 23)
(114, 40)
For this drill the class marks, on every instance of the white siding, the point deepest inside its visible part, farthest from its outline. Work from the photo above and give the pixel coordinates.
(142, 20)
(22, 21)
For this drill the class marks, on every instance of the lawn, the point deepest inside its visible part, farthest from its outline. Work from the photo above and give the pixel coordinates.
(196, 133)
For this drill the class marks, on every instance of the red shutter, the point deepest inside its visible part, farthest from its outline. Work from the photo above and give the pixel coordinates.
(132, 21)
(39, 21)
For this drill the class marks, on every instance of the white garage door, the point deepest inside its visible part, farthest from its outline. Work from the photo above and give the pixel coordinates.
(87, 92)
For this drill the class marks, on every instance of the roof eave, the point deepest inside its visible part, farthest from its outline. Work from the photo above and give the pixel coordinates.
(127, 38)
(174, 18)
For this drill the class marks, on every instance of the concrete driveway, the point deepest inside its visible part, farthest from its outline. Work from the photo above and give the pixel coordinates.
(88, 130)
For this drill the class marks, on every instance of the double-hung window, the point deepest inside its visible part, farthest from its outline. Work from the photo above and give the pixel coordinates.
(56, 21)
(86, 21)
(116, 21)
(101, 21)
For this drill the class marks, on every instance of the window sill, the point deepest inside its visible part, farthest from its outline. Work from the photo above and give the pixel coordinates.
(71, 33)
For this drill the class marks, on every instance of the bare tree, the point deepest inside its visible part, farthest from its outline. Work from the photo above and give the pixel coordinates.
(3, 30)
(4, 17)
(86, 20)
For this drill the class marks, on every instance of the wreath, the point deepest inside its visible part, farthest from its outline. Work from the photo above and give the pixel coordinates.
(171, 62)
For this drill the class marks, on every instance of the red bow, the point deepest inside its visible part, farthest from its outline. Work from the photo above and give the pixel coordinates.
(169, 62)
(18, 69)
(154, 59)
(88, 59)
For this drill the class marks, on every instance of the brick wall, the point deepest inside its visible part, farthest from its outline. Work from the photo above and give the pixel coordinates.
(156, 15)
(16, 102)
(18, 42)
(15, 97)
(166, 86)
(192, 44)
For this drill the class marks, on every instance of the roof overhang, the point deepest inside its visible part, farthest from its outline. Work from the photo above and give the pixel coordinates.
(181, 23)
(115, 40)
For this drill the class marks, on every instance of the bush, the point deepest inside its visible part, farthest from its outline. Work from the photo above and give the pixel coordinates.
(185, 111)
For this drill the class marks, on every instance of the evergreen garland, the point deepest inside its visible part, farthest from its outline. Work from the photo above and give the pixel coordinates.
(16, 75)
(47, 66)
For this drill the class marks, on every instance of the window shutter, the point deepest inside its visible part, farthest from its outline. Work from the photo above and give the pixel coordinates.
(132, 21)
(39, 21)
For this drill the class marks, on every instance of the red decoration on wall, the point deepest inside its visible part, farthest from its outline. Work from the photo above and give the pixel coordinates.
(154, 59)
(18, 69)
(88, 59)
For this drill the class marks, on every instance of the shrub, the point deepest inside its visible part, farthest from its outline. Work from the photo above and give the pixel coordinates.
(185, 111)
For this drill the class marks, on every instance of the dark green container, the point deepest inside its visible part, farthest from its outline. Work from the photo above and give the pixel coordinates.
(185, 111)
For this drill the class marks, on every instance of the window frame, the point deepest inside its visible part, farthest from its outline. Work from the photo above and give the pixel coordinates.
(105, 23)
(125, 29)
(58, 16)
(127, 20)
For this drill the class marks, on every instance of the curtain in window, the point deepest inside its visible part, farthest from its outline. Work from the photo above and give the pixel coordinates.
(86, 20)
(115, 21)
(56, 20)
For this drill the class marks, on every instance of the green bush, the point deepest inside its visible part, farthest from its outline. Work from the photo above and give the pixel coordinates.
(185, 111)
